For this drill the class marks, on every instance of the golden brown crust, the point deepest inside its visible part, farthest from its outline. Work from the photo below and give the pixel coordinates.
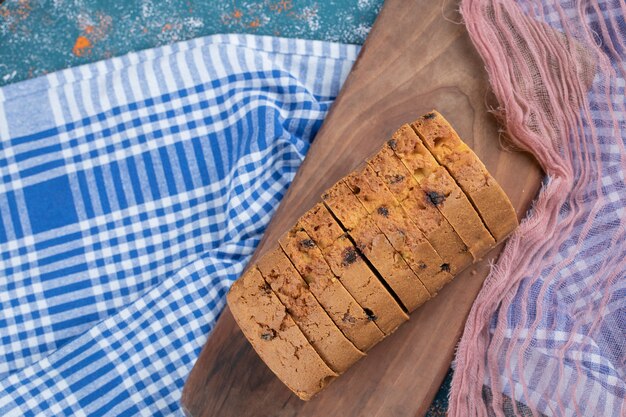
(372, 243)
(442, 191)
(348, 266)
(470, 173)
(336, 350)
(275, 336)
(406, 145)
(369, 189)
(440, 233)
(389, 264)
(342, 308)
(343, 206)
(406, 238)
(359, 279)
(321, 226)
(426, 217)
(419, 254)
(393, 173)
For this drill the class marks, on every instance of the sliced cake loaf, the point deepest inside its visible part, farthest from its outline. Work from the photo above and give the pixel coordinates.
(442, 191)
(470, 173)
(348, 266)
(336, 350)
(275, 336)
(383, 241)
(342, 308)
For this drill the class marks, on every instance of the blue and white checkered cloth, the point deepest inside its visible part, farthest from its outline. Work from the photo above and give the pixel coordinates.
(132, 193)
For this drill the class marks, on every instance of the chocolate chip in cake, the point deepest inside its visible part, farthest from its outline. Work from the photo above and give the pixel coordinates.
(422, 265)
(383, 211)
(429, 116)
(307, 244)
(396, 179)
(347, 318)
(435, 198)
(445, 267)
(370, 314)
(269, 334)
(356, 190)
(349, 257)
(392, 144)
(266, 288)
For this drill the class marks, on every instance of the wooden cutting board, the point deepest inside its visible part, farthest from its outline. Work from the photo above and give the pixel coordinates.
(417, 57)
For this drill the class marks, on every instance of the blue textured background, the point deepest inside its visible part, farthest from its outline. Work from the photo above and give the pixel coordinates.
(37, 37)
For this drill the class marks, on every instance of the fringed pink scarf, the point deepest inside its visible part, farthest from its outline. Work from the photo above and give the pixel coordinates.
(547, 333)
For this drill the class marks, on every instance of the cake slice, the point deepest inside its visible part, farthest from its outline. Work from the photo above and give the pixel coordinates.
(426, 217)
(442, 191)
(336, 350)
(275, 336)
(344, 206)
(342, 308)
(348, 266)
(373, 244)
(470, 173)
(406, 238)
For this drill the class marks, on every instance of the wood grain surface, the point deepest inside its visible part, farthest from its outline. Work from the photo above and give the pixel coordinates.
(416, 58)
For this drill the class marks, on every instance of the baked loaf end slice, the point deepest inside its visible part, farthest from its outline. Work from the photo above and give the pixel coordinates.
(337, 351)
(442, 191)
(350, 268)
(469, 172)
(275, 336)
(342, 308)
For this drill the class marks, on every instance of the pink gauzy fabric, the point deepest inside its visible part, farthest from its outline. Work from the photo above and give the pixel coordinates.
(547, 333)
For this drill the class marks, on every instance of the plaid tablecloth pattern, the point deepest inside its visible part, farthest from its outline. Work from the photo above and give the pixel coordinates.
(132, 193)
